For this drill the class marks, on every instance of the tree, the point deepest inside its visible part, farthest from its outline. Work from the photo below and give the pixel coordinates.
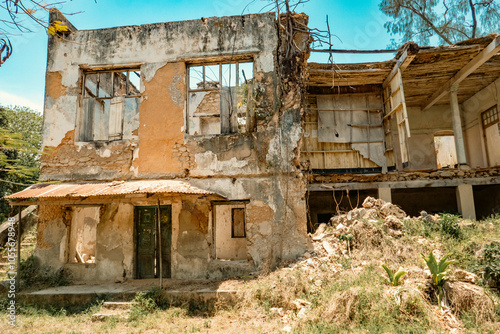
(450, 21)
(17, 16)
(20, 144)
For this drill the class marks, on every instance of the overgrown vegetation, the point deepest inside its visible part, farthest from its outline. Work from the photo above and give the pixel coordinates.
(34, 275)
(339, 293)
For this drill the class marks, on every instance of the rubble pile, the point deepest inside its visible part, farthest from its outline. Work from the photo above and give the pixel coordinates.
(377, 233)
(361, 226)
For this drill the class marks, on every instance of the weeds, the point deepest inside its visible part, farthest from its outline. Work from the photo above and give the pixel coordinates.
(394, 277)
(438, 272)
(32, 274)
(488, 265)
(449, 226)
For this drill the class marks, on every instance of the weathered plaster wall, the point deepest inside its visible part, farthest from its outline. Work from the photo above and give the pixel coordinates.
(423, 127)
(52, 235)
(193, 241)
(161, 122)
(475, 145)
(160, 50)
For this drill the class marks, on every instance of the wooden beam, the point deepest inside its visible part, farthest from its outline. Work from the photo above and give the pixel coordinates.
(354, 51)
(410, 51)
(424, 183)
(473, 65)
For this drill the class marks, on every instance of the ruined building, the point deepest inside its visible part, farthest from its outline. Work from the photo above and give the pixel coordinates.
(206, 148)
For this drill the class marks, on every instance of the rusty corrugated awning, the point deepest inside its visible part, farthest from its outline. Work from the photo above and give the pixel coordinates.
(91, 189)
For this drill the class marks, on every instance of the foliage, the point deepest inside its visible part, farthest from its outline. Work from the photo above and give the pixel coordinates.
(449, 21)
(20, 143)
(19, 16)
(449, 225)
(32, 274)
(489, 264)
(438, 271)
(394, 277)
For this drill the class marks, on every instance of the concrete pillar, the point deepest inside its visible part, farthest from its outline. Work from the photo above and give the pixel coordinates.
(385, 194)
(465, 201)
(457, 126)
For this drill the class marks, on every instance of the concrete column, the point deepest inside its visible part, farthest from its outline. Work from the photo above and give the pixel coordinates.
(385, 194)
(457, 126)
(465, 201)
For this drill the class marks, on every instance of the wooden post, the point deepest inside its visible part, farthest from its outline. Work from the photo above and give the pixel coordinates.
(18, 275)
(159, 245)
(457, 126)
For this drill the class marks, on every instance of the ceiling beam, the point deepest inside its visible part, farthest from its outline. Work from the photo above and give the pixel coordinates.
(410, 51)
(473, 65)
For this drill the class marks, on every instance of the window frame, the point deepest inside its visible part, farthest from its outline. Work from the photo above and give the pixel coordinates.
(220, 64)
(85, 94)
(233, 210)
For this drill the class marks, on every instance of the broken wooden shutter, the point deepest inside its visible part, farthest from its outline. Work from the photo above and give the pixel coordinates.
(87, 123)
(395, 104)
(116, 109)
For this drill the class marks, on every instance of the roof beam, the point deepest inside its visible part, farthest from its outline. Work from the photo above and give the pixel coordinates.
(410, 51)
(473, 65)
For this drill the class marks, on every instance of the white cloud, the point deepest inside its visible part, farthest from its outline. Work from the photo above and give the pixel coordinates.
(8, 99)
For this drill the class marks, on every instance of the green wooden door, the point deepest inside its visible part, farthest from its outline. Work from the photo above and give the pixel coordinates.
(148, 256)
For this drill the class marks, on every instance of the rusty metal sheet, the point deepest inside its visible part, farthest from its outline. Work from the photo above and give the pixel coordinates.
(83, 190)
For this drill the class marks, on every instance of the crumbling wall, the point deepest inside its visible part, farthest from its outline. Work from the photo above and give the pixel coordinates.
(423, 127)
(192, 240)
(161, 51)
(52, 235)
(477, 150)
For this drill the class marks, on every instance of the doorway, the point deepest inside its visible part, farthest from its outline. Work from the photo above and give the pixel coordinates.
(148, 241)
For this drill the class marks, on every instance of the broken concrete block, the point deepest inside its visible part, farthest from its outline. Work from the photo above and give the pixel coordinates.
(328, 247)
(389, 209)
(393, 223)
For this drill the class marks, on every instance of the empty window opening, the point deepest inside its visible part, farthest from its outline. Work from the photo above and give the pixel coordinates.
(238, 223)
(230, 234)
(110, 105)
(219, 97)
(491, 127)
(446, 154)
(83, 234)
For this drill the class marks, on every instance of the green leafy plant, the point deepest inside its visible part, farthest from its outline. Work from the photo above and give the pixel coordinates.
(394, 278)
(438, 272)
(449, 225)
(489, 264)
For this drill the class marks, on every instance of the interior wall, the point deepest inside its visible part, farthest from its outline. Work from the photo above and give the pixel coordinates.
(423, 126)
(472, 109)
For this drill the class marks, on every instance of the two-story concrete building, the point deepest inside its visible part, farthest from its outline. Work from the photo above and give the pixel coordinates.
(202, 149)
(168, 151)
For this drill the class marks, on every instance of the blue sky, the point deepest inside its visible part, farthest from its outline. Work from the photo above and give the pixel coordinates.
(357, 23)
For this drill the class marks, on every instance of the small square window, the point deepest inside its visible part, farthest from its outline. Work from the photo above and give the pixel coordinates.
(238, 223)
(490, 117)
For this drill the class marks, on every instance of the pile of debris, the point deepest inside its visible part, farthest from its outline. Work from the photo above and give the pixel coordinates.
(365, 225)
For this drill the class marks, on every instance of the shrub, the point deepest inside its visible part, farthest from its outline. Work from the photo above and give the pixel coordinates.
(449, 225)
(489, 264)
(33, 274)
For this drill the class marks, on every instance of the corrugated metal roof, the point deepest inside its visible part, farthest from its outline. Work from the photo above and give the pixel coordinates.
(79, 190)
